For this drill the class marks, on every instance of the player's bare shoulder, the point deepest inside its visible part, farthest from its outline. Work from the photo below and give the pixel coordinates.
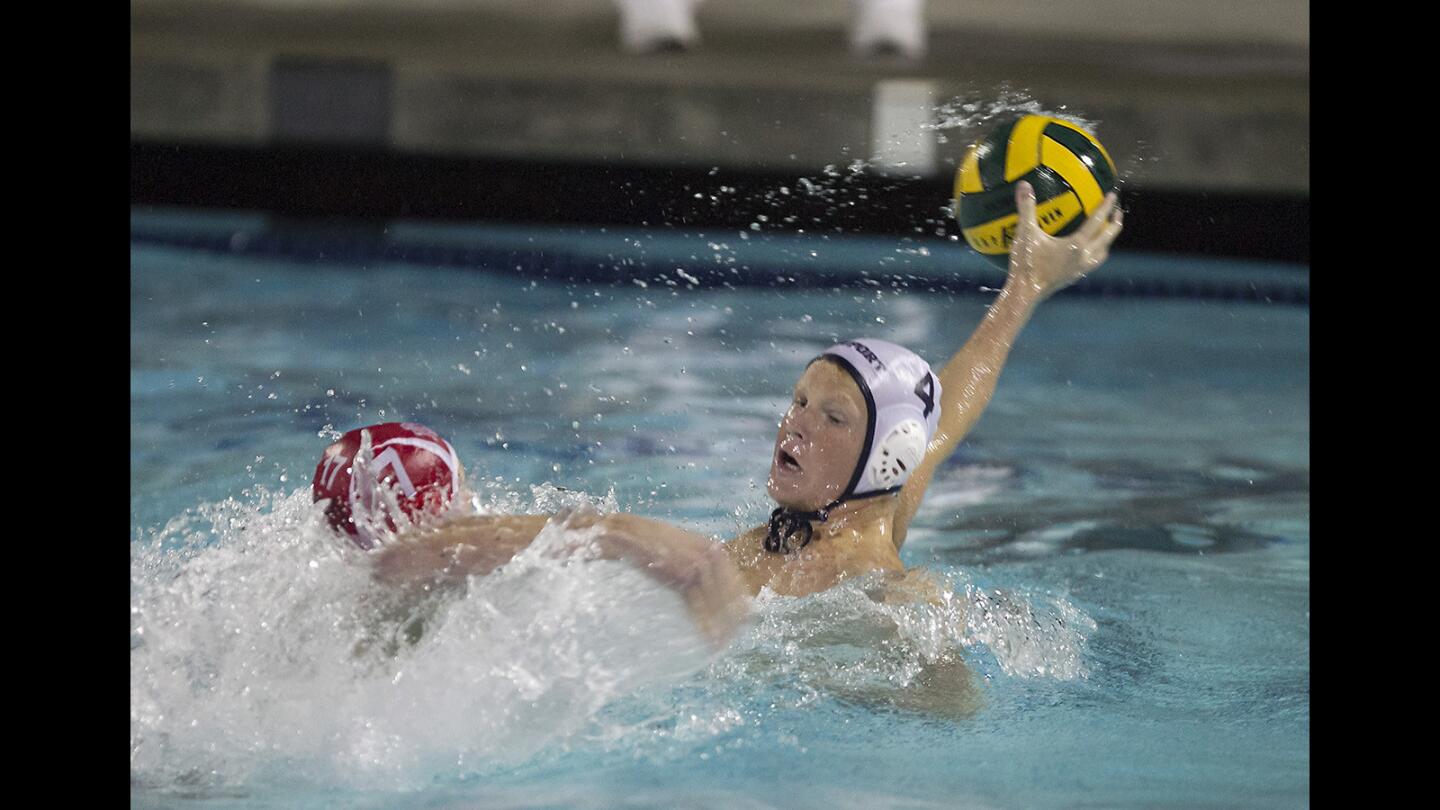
(757, 566)
(865, 547)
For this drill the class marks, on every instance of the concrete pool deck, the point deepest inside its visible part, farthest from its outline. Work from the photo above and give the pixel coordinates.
(1213, 99)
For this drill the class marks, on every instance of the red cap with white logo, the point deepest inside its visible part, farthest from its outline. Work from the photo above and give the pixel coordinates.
(373, 470)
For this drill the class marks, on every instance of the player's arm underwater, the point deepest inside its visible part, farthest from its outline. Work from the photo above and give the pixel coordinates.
(1040, 265)
(474, 545)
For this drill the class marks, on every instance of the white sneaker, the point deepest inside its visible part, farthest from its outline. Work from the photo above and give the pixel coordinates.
(889, 27)
(647, 26)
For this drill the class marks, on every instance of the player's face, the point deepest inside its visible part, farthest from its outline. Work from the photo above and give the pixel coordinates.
(820, 439)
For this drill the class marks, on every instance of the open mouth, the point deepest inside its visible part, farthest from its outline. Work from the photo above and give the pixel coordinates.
(787, 462)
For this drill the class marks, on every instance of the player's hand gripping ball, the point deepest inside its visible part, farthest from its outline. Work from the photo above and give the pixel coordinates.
(1068, 168)
(409, 467)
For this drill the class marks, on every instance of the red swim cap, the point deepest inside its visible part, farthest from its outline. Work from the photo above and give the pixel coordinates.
(420, 468)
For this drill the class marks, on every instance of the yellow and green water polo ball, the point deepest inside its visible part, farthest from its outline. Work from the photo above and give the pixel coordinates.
(1068, 168)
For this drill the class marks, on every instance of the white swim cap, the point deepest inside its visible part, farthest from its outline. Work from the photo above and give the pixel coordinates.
(902, 396)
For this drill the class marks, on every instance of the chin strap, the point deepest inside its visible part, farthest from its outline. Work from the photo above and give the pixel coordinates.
(790, 530)
(786, 524)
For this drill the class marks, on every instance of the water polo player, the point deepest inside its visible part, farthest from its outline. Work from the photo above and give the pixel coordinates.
(868, 425)
(398, 489)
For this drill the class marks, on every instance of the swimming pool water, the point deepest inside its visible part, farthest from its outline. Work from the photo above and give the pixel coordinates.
(1126, 532)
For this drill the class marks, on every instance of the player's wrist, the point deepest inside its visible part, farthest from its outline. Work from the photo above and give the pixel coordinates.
(1021, 293)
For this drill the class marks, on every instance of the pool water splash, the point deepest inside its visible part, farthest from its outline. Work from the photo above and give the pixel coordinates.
(863, 649)
(814, 202)
(968, 117)
(259, 645)
(929, 649)
(262, 651)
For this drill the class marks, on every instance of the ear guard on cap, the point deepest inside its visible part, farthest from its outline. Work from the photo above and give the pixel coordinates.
(896, 455)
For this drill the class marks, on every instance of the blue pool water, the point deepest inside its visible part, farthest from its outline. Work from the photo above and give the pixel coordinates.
(1125, 534)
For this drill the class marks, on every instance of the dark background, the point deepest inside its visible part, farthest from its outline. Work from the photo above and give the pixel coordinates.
(538, 112)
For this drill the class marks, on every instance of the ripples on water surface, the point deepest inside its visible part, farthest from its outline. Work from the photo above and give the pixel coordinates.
(1125, 537)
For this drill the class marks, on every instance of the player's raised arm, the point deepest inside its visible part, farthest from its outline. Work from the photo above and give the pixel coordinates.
(1040, 265)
